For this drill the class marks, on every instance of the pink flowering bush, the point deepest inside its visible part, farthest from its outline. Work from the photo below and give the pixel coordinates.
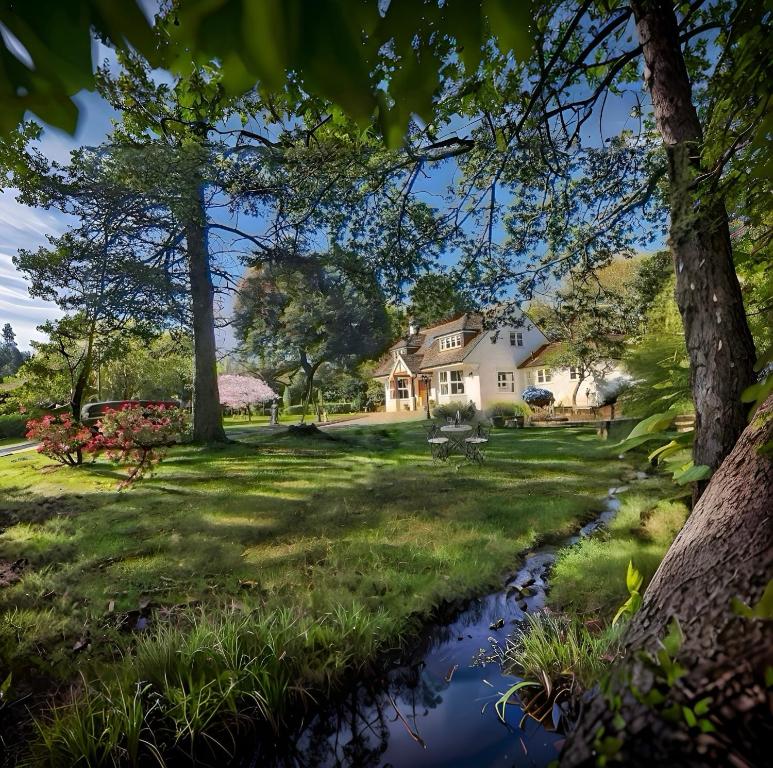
(60, 438)
(138, 435)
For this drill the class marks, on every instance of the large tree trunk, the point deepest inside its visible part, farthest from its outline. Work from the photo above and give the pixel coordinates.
(724, 551)
(719, 342)
(207, 415)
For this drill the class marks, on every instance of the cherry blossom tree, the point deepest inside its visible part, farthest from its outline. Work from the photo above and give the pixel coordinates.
(243, 391)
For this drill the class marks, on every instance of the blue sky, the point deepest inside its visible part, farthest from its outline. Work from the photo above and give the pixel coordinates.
(24, 227)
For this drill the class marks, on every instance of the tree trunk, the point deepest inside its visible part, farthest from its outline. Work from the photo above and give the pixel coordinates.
(719, 342)
(82, 380)
(309, 371)
(724, 551)
(207, 416)
(577, 389)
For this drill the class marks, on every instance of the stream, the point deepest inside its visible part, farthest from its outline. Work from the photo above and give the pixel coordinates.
(438, 710)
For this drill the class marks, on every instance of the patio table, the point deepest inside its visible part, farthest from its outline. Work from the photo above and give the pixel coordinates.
(456, 434)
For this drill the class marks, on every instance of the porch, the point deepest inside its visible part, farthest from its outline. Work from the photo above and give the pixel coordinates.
(406, 392)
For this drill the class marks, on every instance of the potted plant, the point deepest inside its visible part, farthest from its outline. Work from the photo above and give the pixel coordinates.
(500, 412)
(521, 412)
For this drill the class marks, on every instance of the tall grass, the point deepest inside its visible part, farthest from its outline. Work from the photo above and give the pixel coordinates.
(554, 647)
(195, 684)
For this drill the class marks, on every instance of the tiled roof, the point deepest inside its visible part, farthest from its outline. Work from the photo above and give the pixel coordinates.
(543, 355)
(547, 353)
(384, 368)
(425, 350)
(411, 342)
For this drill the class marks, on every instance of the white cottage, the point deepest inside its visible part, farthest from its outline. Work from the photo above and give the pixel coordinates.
(460, 360)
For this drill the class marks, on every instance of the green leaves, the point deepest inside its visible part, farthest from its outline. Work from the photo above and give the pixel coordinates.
(762, 610)
(655, 423)
(385, 65)
(50, 59)
(633, 582)
(510, 23)
(503, 700)
(759, 392)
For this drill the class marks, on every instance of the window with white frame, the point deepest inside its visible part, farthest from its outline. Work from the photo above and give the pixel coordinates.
(402, 389)
(451, 342)
(544, 375)
(574, 372)
(451, 382)
(506, 381)
(516, 338)
(457, 385)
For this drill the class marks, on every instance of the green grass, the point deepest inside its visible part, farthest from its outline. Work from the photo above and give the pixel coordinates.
(350, 541)
(556, 647)
(589, 578)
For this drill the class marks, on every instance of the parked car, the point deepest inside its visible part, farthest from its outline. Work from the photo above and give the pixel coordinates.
(91, 413)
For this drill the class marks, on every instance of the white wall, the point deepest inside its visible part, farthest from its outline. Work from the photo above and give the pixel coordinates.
(562, 386)
(493, 357)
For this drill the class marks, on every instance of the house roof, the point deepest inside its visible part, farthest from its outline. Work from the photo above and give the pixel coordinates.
(411, 342)
(543, 355)
(412, 361)
(425, 350)
(547, 353)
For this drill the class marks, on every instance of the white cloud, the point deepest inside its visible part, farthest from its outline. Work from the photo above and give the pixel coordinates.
(22, 227)
(18, 308)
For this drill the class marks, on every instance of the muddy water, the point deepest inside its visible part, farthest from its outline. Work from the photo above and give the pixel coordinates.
(439, 710)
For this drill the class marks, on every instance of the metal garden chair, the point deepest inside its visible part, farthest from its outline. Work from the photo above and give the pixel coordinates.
(438, 444)
(474, 444)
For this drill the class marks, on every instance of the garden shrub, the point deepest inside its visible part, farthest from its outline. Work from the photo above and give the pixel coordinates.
(508, 410)
(13, 425)
(467, 411)
(536, 396)
(138, 435)
(339, 407)
(61, 438)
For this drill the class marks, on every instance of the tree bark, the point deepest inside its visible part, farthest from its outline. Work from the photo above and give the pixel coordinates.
(207, 415)
(309, 371)
(724, 551)
(82, 380)
(719, 342)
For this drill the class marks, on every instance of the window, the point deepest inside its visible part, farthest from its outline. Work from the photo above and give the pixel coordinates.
(506, 381)
(402, 389)
(457, 385)
(574, 372)
(451, 342)
(451, 381)
(544, 375)
(516, 338)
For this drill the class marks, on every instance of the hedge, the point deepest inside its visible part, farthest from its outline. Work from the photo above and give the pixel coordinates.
(13, 425)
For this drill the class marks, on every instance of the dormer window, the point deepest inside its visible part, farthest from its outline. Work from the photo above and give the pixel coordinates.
(451, 342)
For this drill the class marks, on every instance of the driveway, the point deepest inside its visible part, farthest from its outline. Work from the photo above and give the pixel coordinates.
(379, 417)
(9, 450)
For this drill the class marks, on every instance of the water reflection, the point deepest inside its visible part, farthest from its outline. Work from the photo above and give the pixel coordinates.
(439, 709)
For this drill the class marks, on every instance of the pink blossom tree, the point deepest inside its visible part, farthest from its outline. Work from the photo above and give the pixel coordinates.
(243, 391)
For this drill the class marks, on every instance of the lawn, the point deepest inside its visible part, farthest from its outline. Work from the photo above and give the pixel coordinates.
(361, 522)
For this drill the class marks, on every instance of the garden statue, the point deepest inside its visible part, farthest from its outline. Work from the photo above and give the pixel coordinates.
(274, 412)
